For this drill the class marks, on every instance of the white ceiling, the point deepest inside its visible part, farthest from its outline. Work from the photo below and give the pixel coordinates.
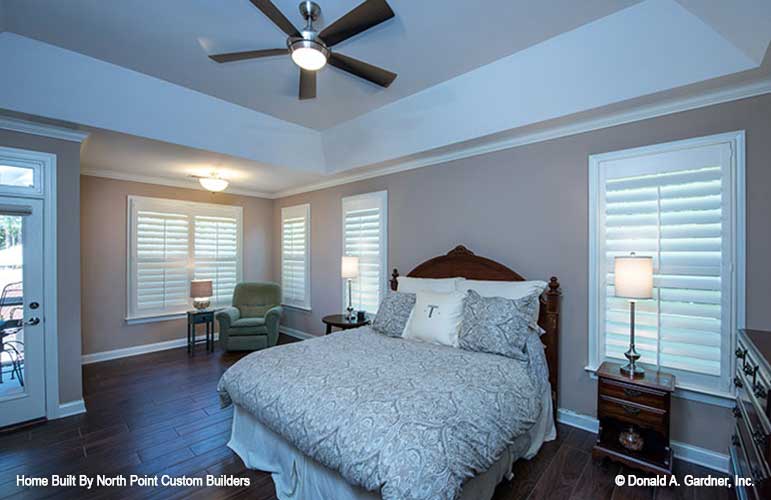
(136, 76)
(123, 156)
(429, 41)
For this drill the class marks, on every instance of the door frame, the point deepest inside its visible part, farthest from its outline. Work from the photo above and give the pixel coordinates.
(45, 166)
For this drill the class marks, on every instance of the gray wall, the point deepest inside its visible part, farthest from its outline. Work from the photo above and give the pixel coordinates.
(103, 240)
(527, 207)
(68, 248)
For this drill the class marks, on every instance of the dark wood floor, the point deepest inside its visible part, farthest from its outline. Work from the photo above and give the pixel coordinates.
(159, 414)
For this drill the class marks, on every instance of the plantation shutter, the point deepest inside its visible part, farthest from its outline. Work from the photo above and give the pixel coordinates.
(161, 261)
(216, 254)
(364, 236)
(172, 242)
(295, 256)
(677, 208)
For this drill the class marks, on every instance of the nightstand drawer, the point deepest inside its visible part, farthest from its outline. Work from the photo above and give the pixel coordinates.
(633, 413)
(633, 393)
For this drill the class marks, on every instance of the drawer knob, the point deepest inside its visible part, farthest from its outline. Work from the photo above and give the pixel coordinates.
(631, 410)
(738, 382)
(760, 391)
(740, 353)
(632, 393)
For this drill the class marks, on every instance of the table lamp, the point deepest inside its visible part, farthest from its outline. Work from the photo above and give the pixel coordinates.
(633, 281)
(349, 270)
(201, 292)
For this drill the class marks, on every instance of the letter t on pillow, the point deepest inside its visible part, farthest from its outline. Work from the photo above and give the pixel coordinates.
(436, 318)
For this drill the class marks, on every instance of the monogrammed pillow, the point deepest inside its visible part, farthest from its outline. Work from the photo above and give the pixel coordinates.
(436, 318)
(393, 313)
(496, 325)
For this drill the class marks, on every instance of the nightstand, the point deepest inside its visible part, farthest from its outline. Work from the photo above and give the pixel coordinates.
(339, 321)
(634, 417)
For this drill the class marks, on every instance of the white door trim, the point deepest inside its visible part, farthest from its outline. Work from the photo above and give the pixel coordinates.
(47, 162)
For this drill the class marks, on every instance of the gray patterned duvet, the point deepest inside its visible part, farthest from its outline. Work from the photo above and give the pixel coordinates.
(410, 419)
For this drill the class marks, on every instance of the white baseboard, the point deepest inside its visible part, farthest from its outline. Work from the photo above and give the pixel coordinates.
(97, 357)
(298, 334)
(687, 452)
(69, 409)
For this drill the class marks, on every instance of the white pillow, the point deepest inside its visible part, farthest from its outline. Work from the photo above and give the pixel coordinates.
(415, 285)
(436, 318)
(507, 289)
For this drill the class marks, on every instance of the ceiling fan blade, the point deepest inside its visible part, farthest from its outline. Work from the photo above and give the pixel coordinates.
(275, 15)
(378, 76)
(307, 84)
(361, 18)
(247, 54)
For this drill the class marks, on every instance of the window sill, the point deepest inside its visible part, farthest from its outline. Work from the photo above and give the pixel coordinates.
(298, 308)
(139, 320)
(714, 398)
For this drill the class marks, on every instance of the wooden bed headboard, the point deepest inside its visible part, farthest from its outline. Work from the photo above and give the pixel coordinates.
(460, 262)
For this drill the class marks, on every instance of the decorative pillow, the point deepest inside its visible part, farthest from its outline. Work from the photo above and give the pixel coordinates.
(415, 285)
(505, 289)
(436, 318)
(393, 313)
(496, 325)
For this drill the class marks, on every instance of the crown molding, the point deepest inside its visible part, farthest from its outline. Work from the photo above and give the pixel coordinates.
(163, 181)
(460, 152)
(52, 131)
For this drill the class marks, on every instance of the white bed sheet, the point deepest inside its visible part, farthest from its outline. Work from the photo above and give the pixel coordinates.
(299, 477)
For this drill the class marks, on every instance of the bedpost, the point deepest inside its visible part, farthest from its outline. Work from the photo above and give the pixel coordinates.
(394, 282)
(551, 337)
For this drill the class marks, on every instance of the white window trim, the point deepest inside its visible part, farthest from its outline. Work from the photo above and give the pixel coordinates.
(382, 197)
(736, 141)
(130, 261)
(306, 207)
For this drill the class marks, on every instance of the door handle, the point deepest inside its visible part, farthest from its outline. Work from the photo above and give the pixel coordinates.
(32, 321)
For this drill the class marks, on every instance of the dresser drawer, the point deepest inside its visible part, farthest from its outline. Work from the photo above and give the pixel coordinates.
(756, 465)
(633, 394)
(752, 388)
(633, 413)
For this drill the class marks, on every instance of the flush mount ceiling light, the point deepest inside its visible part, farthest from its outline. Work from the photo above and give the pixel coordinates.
(309, 48)
(213, 183)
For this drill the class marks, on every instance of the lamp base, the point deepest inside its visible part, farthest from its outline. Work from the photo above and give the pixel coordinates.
(631, 370)
(201, 303)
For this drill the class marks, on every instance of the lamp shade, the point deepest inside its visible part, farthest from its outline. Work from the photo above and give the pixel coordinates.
(634, 277)
(200, 288)
(349, 267)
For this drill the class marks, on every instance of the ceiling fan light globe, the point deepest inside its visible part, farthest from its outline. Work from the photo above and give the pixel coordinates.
(213, 184)
(309, 55)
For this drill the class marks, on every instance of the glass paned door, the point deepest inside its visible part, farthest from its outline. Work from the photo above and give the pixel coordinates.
(22, 369)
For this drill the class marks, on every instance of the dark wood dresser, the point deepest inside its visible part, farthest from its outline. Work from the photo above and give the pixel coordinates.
(634, 418)
(751, 442)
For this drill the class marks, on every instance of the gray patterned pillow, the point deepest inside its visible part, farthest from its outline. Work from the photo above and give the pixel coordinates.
(393, 313)
(496, 325)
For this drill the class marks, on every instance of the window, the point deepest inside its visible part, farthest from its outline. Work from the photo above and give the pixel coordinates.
(365, 223)
(295, 256)
(172, 242)
(682, 204)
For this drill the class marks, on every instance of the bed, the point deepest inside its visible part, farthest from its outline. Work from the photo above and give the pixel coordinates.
(359, 415)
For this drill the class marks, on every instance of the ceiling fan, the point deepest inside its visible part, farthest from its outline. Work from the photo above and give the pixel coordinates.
(310, 49)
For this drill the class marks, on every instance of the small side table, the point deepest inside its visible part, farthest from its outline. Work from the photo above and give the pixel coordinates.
(339, 321)
(196, 317)
(634, 417)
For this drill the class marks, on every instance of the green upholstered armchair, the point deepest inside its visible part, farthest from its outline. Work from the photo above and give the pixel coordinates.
(251, 323)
